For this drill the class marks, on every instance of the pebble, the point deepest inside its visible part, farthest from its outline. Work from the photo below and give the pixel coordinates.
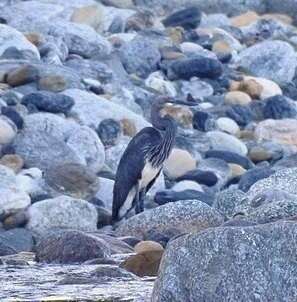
(12, 161)
(7, 131)
(237, 98)
(258, 154)
(279, 107)
(203, 121)
(199, 66)
(109, 132)
(223, 141)
(242, 115)
(54, 83)
(179, 163)
(146, 246)
(188, 18)
(49, 101)
(22, 75)
(228, 125)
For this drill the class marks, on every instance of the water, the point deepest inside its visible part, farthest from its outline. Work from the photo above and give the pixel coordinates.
(41, 283)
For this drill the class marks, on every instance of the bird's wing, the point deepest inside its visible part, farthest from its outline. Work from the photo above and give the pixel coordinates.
(131, 165)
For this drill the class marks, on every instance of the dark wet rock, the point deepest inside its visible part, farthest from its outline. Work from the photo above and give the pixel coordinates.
(140, 56)
(242, 115)
(207, 178)
(19, 240)
(228, 200)
(279, 107)
(143, 264)
(12, 114)
(239, 257)
(49, 101)
(188, 18)
(22, 75)
(104, 217)
(203, 121)
(230, 157)
(72, 179)
(290, 90)
(198, 66)
(252, 176)
(184, 216)
(109, 131)
(103, 273)
(70, 247)
(163, 197)
(132, 241)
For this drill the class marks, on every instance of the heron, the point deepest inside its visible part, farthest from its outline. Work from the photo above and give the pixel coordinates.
(142, 161)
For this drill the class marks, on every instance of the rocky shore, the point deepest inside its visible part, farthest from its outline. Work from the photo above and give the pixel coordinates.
(77, 80)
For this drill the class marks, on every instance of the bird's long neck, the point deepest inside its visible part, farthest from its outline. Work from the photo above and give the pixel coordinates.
(169, 128)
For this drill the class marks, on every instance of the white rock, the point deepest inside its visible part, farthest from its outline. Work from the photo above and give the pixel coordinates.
(10, 37)
(105, 192)
(228, 125)
(187, 185)
(156, 81)
(189, 48)
(13, 200)
(223, 141)
(7, 131)
(29, 181)
(62, 212)
(91, 109)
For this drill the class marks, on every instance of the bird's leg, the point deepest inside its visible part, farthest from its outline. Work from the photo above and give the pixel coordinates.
(141, 200)
(136, 199)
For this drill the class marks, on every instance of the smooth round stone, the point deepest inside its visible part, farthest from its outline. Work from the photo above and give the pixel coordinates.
(252, 176)
(279, 107)
(252, 87)
(237, 170)
(221, 47)
(15, 220)
(165, 196)
(258, 154)
(54, 83)
(49, 101)
(230, 157)
(187, 185)
(269, 88)
(13, 115)
(242, 115)
(144, 246)
(203, 121)
(214, 20)
(188, 18)
(109, 132)
(280, 131)
(12, 161)
(22, 75)
(223, 141)
(198, 66)
(237, 98)
(207, 178)
(245, 19)
(179, 163)
(7, 131)
(228, 125)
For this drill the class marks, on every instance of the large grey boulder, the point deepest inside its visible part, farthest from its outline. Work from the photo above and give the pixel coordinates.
(253, 263)
(182, 216)
(47, 140)
(274, 60)
(62, 213)
(284, 180)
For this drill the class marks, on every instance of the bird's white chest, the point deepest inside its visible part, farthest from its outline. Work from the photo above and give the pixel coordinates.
(148, 174)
